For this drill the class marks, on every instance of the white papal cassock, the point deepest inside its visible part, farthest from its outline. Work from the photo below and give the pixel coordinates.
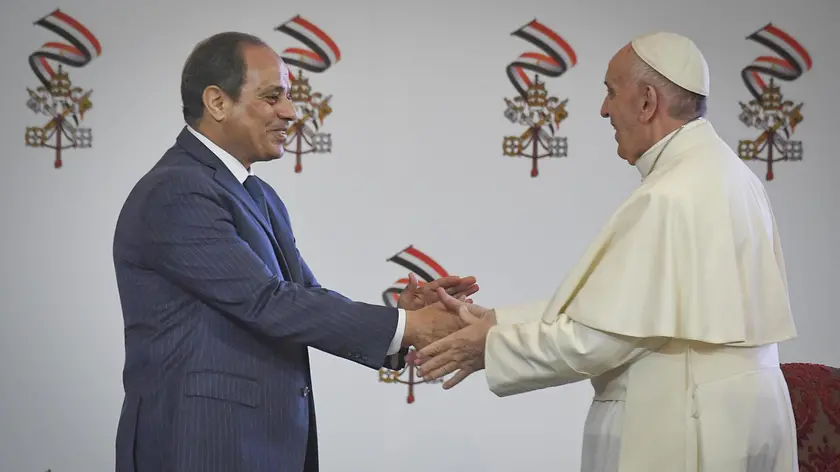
(674, 313)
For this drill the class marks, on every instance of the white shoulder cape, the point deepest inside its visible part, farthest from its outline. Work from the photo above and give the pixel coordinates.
(692, 254)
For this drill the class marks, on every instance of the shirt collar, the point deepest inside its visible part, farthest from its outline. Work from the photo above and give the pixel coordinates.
(645, 163)
(236, 168)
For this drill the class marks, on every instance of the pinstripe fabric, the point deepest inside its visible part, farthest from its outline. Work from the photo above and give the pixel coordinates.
(216, 369)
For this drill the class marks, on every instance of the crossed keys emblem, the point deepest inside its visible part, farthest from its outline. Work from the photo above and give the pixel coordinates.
(776, 118)
(303, 136)
(536, 111)
(64, 105)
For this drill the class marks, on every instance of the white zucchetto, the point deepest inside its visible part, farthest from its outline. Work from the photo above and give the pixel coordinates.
(675, 57)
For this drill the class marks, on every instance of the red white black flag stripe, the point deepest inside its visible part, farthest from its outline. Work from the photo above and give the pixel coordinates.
(323, 52)
(424, 267)
(792, 61)
(83, 47)
(557, 59)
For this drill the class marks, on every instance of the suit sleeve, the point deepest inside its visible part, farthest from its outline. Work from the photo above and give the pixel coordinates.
(195, 245)
(528, 356)
(395, 361)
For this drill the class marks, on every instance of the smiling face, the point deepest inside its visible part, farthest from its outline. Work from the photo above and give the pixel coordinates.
(254, 126)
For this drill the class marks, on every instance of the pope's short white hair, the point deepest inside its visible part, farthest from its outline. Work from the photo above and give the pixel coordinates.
(682, 104)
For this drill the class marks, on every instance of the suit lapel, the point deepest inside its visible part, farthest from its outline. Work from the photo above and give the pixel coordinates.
(226, 179)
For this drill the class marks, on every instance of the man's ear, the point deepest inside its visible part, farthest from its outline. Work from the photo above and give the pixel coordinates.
(216, 102)
(650, 102)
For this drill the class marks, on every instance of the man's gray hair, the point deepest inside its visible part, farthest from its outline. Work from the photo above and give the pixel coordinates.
(682, 104)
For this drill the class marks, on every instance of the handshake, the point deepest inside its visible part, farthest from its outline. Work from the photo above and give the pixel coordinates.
(446, 328)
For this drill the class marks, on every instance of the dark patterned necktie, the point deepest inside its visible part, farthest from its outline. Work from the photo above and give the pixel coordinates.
(284, 237)
(253, 187)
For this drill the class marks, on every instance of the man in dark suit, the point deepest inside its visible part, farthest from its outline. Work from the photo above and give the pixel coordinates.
(219, 306)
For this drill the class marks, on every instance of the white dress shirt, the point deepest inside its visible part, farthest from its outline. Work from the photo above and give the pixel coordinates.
(241, 173)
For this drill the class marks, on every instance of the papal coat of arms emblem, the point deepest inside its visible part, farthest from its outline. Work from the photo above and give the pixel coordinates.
(533, 107)
(769, 112)
(57, 99)
(427, 270)
(305, 135)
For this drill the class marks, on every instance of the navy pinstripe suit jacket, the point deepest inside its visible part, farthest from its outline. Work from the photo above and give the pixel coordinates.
(216, 370)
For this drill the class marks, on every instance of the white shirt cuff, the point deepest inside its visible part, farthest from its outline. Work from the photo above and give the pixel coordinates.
(396, 343)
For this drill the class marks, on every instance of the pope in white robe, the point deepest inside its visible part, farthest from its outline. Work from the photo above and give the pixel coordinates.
(675, 310)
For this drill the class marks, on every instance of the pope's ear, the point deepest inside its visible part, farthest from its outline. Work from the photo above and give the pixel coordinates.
(650, 101)
(216, 102)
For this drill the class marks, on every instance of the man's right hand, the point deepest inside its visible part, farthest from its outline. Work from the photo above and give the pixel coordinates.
(428, 324)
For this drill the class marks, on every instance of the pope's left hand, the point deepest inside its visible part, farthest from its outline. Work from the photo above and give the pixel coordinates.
(415, 297)
(461, 351)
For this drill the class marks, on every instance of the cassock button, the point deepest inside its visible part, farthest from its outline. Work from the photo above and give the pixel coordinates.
(304, 392)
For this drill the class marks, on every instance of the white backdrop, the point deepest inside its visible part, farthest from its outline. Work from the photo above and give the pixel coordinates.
(417, 128)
